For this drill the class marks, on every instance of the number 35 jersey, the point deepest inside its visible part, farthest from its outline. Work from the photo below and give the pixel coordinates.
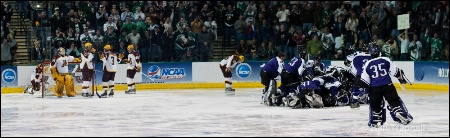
(376, 72)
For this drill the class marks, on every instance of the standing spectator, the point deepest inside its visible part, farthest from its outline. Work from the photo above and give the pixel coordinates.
(6, 52)
(57, 20)
(182, 24)
(135, 38)
(99, 40)
(314, 47)
(250, 31)
(264, 31)
(339, 26)
(314, 31)
(308, 19)
(123, 49)
(196, 25)
(328, 44)
(230, 19)
(379, 42)
(282, 39)
(109, 23)
(110, 38)
(168, 46)
(283, 16)
(58, 41)
(240, 30)
(435, 45)
(300, 40)
(295, 16)
(253, 51)
(6, 11)
(168, 23)
(363, 31)
(103, 18)
(156, 44)
(115, 16)
(414, 47)
(376, 25)
(211, 25)
(85, 37)
(390, 48)
(146, 43)
(126, 14)
(139, 16)
(41, 22)
(403, 37)
(292, 45)
(250, 14)
(339, 11)
(352, 22)
(128, 25)
(37, 52)
(206, 38)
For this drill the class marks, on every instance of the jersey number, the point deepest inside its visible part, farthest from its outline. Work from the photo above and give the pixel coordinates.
(293, 61)
(64, 63)
(112, 61)
(377, 69)
(129, 60)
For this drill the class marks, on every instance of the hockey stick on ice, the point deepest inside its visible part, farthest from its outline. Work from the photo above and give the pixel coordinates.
(406, 80)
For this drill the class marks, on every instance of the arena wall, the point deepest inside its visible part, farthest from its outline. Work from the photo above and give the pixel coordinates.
(202, 75)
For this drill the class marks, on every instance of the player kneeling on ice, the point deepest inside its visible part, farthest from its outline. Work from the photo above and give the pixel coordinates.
(134, 65)
(110, 61)
(36, 78)
(87, 68)
(226, 65)
(60, 73)
(271, 70)
(375, 75)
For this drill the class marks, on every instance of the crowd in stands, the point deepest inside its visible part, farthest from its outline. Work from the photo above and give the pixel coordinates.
(184, 31)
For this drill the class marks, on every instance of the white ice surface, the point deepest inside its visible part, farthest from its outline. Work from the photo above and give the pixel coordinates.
(208, 113)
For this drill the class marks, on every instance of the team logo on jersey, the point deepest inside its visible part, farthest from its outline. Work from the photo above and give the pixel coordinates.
(157, 73)
(243, 70)
(8, 75)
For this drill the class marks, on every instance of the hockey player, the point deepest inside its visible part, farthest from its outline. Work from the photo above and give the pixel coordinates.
(134, 65)
(315, 67)
(226, 65)
(356, 61)
(36, 78)
(307, 95)
(269, 72)
(330, 82)
(60, 73)
(291, 74)
(375, 76)
(110, 61)
(87, 67)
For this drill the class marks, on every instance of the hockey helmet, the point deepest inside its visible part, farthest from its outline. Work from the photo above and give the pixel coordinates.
(130, 47)
(61, 51)
(375, 52)
(107, 47)
(241, 58)
(87, 45)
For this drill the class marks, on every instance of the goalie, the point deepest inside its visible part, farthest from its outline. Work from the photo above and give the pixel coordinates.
(87, 67)
(36, 78)
(110, 61)
(60, 73)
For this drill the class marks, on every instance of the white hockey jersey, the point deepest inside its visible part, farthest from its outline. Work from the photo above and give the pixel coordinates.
(86, 59)
(230, 61)
(110, 62)
(61, 63)
(133, 60)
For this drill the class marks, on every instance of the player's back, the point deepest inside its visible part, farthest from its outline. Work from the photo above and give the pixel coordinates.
(133, 60)
(272, 67)
(358, 61)
(376, 71)
(296, 65)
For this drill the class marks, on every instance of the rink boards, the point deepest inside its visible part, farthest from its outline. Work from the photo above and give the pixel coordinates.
(201, 75)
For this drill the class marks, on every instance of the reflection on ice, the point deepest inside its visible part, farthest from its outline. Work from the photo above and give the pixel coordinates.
(208, 113)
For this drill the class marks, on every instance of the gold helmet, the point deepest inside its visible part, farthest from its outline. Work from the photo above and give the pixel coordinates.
(241, 58)
(130, 47)
(86, 45)
(107, 47)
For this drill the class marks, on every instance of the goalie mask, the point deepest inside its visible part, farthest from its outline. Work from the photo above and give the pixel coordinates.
(61, 51)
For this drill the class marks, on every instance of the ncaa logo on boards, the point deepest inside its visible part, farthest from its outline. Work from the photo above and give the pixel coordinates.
(8, 75)
(154, 72)
(243, 70)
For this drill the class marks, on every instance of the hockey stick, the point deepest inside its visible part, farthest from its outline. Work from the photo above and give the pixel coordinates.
(96, 91)
(406, 80)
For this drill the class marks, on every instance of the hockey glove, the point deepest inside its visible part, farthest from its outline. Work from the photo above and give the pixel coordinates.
(228, 69)
(121, 55)
(138, 68)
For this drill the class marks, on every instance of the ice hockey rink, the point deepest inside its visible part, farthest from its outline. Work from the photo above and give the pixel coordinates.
(209, 113)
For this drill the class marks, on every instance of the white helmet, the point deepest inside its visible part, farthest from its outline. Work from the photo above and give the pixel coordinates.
(61, 51)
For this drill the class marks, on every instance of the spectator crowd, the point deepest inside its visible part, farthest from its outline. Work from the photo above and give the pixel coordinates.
(184, 31)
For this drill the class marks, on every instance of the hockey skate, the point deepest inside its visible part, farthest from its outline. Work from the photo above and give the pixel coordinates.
(104, 94)
(111, 93)
(128, 91)
(25, 90)
(376, 120)
(229, 89)
(85, 95)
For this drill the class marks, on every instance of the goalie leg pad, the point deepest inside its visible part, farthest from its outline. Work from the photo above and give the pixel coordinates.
(400, 113)
(59, 91)
(70, 88)
(377, 118)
